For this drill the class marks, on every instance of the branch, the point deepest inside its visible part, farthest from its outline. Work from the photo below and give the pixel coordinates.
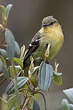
(26, 102)
(43, 98)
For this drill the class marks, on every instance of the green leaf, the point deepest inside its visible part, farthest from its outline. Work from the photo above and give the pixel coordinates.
(36, 106)
(3, 100)
(3, 53)
(36, 69)
(12, 102)
(18, 61)
(36, 97)
(34, 81)
(11, 69)
(8, 8)
(1, 66)
(10, 40)
(4, 64)
(9, 37)
(11, 52)
(17, 68)
(3, 103)
(57, 79)
(13, 48)
(71, 106)
(45, 76)
(69, 93)
(4, 18)
(3, 60)
(65, 104)
(57, 74)
(17, 49)
(20, 82)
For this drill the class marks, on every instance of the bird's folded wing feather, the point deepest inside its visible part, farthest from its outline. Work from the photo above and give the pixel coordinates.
(32, 46)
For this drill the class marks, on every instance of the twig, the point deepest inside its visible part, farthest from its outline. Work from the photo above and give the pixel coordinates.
(26, 102)
(5, 79)
(3, 45)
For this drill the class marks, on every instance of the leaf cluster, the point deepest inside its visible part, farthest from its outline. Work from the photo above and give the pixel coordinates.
(65, 103)
(37, 82)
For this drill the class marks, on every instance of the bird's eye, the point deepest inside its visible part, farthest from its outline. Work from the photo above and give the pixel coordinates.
(52, 23)
(45, 25)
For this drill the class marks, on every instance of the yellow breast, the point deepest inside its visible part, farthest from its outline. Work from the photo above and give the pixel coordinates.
(54, 36)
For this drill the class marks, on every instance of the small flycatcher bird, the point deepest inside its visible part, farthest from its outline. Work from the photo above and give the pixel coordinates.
(49, 34)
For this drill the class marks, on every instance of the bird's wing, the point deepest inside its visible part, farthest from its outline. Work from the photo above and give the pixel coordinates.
(32, 46)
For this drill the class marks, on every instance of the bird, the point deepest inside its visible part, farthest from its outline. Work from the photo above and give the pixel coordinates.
(51, 33)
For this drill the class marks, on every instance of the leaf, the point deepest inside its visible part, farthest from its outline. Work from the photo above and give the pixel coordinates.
(3, 53)
(8, 8)
(4, 67)
(18, 61)
(36, 69)
(45, 76)
(36, 106)
(12, 102)
(22, 52)
(11, 69)
(13, 48)
(57, 74)
(71, 106)
(10, 40)
(4, 18)
(1, 66)
(57, 79)
(65, 104)
(36, 97)
(11, 52)
(17, 49)
(17, 67)
(3, 60)
(9, 37)
(69, 93)
(3, 100)
(20, 82)
(34, 81)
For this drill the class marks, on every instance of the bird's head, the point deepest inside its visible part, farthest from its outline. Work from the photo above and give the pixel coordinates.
(50, 24)
(49, 21)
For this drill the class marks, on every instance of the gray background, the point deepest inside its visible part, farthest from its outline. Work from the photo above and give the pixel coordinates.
(25, 20)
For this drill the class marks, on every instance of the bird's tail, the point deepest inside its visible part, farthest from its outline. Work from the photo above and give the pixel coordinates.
(26, 64)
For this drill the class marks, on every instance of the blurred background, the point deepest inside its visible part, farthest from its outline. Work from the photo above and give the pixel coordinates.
(25, 20)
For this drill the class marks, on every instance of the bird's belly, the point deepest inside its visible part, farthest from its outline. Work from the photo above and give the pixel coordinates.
(55, 47)
(39, 53)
